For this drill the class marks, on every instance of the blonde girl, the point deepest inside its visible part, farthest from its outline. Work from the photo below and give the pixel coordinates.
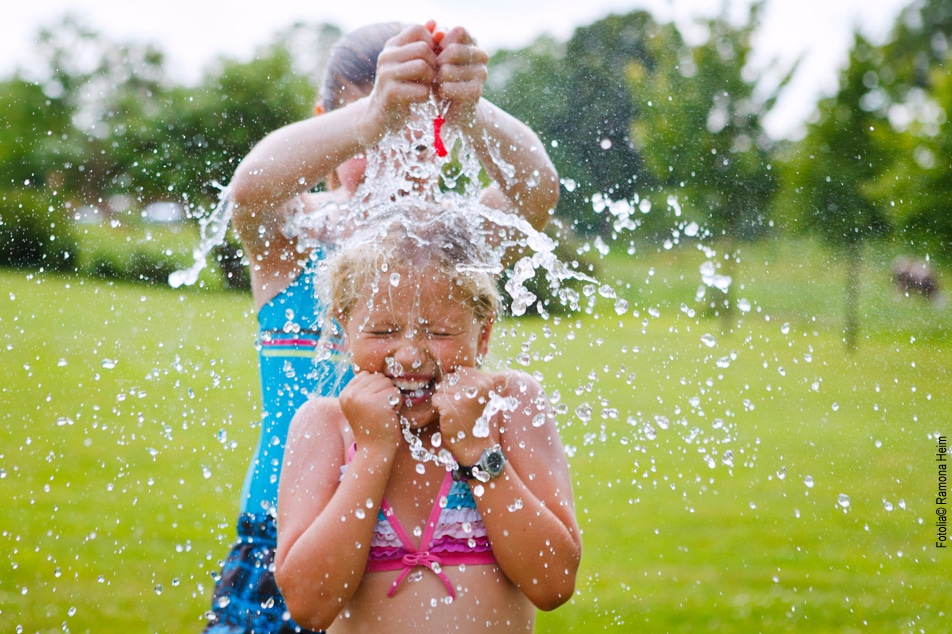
(432, 493)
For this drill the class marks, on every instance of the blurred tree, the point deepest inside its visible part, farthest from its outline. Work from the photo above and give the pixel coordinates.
(916, 187)
(34, 231)
(31, 127)
(912, 88)
(828, 175)
(576, 97)
(210, 128)
(919, 41)
(108, 89)
(700, 132)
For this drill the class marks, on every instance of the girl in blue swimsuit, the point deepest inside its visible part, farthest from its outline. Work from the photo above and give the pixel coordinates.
(373, 77)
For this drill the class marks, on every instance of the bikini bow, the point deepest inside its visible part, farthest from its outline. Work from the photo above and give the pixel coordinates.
(428, 560)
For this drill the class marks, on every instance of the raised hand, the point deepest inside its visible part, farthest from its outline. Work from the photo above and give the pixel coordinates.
(406, 73)
(460, 400)
(370, 403)
(460, 74)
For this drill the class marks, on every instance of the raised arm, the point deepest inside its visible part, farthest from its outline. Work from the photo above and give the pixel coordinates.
(529, 510)
(273, 180)
(524, 180)
(326, 520)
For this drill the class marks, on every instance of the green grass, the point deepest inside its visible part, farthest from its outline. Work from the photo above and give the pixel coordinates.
(128, 420)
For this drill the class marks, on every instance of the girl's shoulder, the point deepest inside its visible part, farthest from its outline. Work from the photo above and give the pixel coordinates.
(318, 415)
(517, 383)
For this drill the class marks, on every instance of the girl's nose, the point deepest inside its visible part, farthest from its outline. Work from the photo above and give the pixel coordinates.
(411, 351)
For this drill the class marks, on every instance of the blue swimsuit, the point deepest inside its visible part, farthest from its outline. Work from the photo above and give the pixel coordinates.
(246, 597)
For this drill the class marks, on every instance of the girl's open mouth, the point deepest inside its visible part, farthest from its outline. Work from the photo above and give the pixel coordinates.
(414, 391)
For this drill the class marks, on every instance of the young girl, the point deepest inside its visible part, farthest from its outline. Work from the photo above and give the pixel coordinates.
(373, 77)
(431, 493)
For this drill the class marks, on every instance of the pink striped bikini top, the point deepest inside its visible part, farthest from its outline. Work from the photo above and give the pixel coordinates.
(454, 535)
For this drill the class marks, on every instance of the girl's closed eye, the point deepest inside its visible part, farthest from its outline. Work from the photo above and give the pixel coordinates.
(380, 330)
(439, 333)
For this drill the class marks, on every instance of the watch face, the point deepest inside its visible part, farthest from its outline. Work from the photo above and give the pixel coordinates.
(494, 462)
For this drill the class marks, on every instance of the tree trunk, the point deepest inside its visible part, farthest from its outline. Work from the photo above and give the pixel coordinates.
(853, 265)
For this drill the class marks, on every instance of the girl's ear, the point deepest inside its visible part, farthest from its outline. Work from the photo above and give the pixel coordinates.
(485, 332)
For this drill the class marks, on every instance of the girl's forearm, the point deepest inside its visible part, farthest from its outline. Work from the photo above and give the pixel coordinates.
(323, 567)
(293, 159)
(517, 162)
(537, 549)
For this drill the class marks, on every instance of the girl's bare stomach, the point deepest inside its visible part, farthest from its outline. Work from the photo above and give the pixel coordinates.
(485, 600)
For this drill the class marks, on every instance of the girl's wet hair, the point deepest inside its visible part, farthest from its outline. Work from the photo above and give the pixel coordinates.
(353, 60)
(414, 236)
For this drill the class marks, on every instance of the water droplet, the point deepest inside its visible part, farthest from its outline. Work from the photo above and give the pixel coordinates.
(728, 458)
(708, 340)
(809, 482)
(781, 473)
(158, 589)
(743, 305)
(887, 505)
(621, 306)
(361, 514)
(394, 279)
(421, 468)
(109, 364)
(584, 412)
(843, 500)
(515, 506)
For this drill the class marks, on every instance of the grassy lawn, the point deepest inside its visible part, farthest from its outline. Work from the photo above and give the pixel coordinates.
(756, 478)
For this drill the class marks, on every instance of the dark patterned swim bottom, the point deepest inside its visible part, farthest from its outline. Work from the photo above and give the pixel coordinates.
(247, 599)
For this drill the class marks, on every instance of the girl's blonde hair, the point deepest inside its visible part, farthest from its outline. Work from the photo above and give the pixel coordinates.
(414, 236)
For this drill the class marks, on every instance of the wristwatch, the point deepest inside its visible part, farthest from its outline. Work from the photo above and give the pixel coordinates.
(489, 466)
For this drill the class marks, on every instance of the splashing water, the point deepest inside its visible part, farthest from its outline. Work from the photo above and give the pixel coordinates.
(212, 231)
(495, 405)
(407, 165)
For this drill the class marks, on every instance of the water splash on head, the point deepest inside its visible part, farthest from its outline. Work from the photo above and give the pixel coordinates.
(428, 165)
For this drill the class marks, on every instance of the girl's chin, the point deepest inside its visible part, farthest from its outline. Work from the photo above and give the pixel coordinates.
(420, 417)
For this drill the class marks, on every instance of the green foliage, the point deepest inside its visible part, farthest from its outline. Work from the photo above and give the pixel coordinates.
(32, 126)
(33, 235)
(826, 176)
(576, 98)
(699, 127)
(913, 87)
(214, 125)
